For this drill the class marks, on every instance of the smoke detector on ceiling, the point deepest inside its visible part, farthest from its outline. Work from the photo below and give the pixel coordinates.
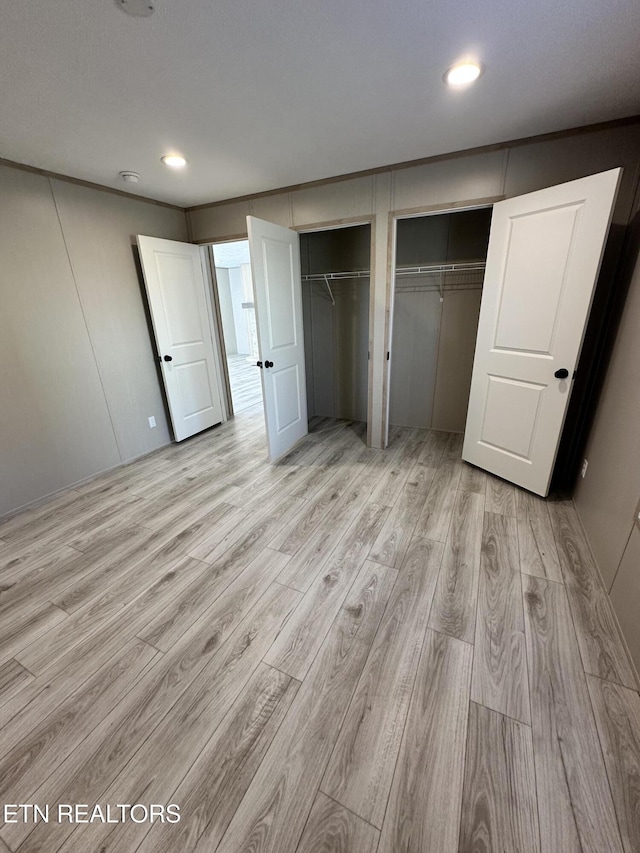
(130, 177)
(138, 8)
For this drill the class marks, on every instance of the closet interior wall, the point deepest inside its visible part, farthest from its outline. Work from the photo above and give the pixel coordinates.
(435, 317)
(336, 320)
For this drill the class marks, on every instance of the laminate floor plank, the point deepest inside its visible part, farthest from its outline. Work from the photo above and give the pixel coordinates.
(473, 479)
(28, 518)
(617, 712)
(292, 691)
(500, 679)
(254, 528)
(150, 577)
(296, 533)
(13, 677)
(53, 572)
(29, 756)
(229, 649)
(85, 513)
(326, 466)
(433, 448)
(333, 829)
(361, 768)
(455, 603)
(25, 564)
(72, 658)
(575, 807)
(393, 540)
(295, 649)
(395, 477)
(196, 599)
(499, 806)
(423, 813)
(538, 552)
(218, 780)
(194, 505)
(58, 587)
(160, 551)
(17, 635)
(163, 760)
(305, 566)
(436, 514)
(500, 496)
(273, 812)
(601, 646)
(453, 447)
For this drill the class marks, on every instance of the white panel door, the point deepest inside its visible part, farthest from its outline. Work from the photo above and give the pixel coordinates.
(176, 290)
(544, 255)
(275, 265)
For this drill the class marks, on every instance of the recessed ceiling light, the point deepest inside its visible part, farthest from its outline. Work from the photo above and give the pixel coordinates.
(463, 73)
(175, 161)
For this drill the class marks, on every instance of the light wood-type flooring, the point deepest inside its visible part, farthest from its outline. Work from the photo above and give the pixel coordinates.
(351, 651)
(244, 378)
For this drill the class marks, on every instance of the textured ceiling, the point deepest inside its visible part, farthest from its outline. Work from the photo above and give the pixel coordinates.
(262, 95)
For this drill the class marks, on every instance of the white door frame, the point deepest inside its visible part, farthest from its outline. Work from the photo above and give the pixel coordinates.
(311, 228)
(394, 216)
(215, 320)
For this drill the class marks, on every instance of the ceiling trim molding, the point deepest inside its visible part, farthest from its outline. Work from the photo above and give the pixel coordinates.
(408, 164)
(24, 167)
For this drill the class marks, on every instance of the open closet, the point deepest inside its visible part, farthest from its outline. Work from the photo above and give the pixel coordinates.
(439, 270)
(335, 297)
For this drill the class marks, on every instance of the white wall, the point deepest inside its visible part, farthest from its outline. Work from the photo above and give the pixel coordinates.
(226, 310)
(509, 171)
(236, 288)
(79, 376)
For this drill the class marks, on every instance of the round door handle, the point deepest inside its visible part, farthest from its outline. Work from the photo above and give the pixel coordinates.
(258, 364)
(562, 373)
(168, 358)
(268, 364)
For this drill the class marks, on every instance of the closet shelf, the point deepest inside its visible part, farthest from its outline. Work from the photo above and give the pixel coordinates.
(336, 276)
(428, 269)
(437, 269)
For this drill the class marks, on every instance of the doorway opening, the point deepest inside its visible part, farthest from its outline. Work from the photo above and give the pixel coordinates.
(236, 314)
(335, 265)
(437, 287)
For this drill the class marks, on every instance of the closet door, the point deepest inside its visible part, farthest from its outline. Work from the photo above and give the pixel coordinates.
(275, 266)
(544, 255)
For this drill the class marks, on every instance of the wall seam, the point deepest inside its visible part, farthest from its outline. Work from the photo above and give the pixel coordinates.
(505, 167)
(624, 551)
(86, 324)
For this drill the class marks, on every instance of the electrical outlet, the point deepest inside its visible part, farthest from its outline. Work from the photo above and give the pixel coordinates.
(583, 470)
(152, 423)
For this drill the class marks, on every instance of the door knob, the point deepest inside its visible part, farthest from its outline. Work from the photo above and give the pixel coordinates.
(258, 364)
(562, 373)
(168, 358)
(268, 364)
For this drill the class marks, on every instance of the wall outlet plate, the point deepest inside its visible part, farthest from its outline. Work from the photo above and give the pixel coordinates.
(152, 422)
